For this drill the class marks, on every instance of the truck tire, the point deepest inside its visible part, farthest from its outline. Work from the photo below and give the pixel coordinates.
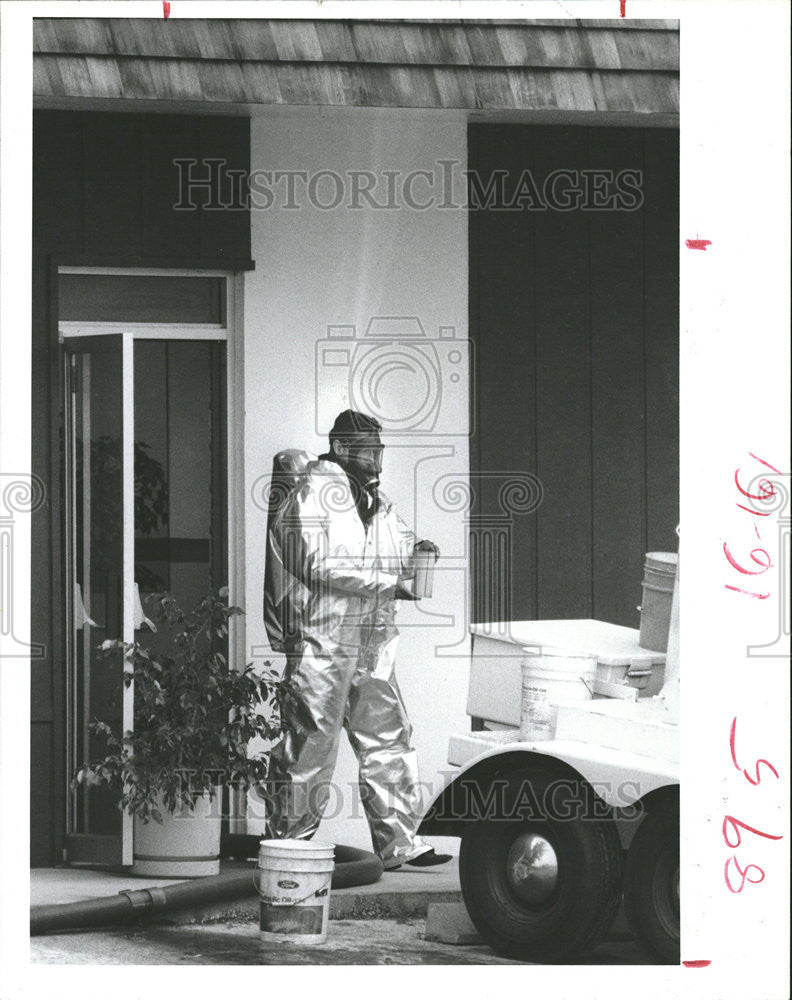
(651, 881)
(542, 883)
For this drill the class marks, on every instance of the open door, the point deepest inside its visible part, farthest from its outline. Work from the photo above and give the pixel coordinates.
(99, 561)
(146, 484)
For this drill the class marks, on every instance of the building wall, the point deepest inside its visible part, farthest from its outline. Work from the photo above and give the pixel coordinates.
(575, 317)
(342, 266)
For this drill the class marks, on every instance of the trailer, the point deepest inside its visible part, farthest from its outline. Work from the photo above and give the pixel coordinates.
(556, 833)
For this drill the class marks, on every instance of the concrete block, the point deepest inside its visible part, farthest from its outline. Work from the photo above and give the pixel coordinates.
(449, 923)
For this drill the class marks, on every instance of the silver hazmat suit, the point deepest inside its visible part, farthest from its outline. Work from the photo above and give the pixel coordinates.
(329, 606)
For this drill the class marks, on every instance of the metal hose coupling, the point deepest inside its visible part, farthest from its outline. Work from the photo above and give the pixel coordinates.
(145, 900)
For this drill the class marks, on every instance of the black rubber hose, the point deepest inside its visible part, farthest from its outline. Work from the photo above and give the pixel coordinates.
(353, 867)
(88, 913)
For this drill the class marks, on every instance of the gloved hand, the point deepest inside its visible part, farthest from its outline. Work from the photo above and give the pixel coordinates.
(427, 546)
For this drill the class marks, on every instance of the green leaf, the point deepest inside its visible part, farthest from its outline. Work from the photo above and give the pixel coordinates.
(192, 710)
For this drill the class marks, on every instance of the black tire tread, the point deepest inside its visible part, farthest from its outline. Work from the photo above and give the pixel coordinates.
(612, 876)
(659, 824)
(607, 885)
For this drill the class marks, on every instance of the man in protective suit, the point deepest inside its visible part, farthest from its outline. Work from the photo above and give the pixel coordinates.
(338, 558)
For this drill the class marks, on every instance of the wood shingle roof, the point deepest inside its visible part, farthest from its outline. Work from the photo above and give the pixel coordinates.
(572, 65)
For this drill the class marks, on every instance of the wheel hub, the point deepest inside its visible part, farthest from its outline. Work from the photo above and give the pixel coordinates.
(532, 868)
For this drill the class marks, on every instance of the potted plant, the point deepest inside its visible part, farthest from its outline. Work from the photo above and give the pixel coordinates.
(195, 715)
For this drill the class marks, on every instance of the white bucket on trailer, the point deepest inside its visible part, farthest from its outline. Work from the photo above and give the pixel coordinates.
(658, 594)
(293, 881)
(550, 676)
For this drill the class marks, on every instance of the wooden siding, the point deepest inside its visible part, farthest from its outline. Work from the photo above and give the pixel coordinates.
(610, 66)
(574, 318)
(103, 194)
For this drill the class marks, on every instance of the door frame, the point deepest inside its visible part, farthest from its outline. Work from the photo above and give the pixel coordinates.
(231, 334)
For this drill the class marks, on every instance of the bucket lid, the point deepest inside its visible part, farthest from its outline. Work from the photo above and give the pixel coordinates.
(531, 652)
(292, 846)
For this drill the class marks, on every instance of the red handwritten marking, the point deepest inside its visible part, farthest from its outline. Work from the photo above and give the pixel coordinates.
(743, 872)
(732, 750)
(698, 244)
(750, 593)
(759, 513)
(758, 779)
(759, 556)
(622, 8)
(735, 823)
(697, 963)
(749, 572)
(165, 9)
(762, 461)
(732, 740)
(768, 490)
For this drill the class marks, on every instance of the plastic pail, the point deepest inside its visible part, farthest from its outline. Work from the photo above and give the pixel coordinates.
(658, 593)
(550, 676)
(424, 564)
(293, 882)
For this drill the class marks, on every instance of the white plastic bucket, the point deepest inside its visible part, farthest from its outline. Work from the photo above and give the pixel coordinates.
(550, 676)
(185, 845)
(658, 593)
(293, 882)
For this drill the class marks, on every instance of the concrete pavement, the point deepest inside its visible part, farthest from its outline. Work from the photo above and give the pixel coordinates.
(380, 924)
(350, 942)
(401, 894)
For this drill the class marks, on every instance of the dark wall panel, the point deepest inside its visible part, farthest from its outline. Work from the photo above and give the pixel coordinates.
(106, 187)
(562, 397)
(574, 318)
(504, 373)
(44, 839)
(661, 283)
(41, 537)
(58, 183)
(221, 139)
(111, 183)
(618, 433)
(167, 231)
(47, 782)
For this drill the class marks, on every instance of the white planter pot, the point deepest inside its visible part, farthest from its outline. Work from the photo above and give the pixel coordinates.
(185, 845)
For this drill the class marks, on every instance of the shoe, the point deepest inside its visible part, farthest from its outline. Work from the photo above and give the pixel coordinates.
(417, 853)
(429, 858)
